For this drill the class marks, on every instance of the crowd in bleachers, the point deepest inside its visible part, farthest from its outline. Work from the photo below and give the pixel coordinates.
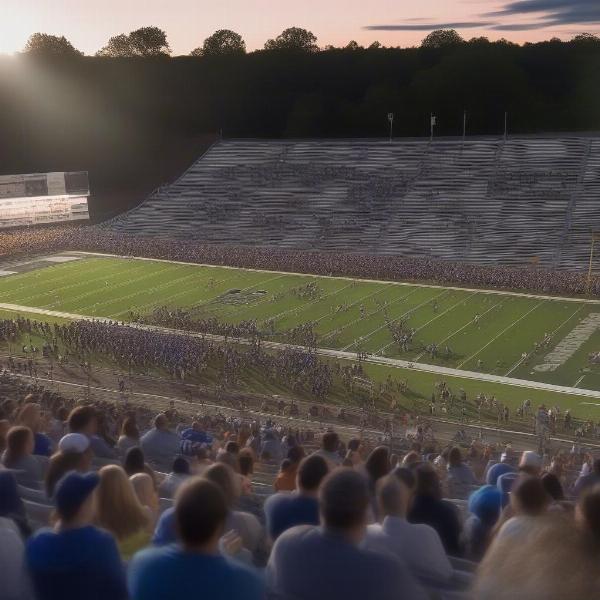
(371, 266)
(113, 501)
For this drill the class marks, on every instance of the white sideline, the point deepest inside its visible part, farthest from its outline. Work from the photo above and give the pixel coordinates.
(383, 281)
(339, 354)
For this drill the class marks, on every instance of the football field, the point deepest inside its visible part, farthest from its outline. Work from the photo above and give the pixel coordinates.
(514, 335)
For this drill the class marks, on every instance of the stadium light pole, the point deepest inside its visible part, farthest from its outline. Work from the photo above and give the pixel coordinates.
(391, 120)
(505, 125)
(432, 122)
(595, 237)
(464, 125)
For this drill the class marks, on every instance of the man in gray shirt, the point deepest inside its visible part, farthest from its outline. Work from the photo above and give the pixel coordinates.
(161, 446)
(312, 563)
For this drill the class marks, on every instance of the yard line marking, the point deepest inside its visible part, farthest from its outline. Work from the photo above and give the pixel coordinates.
(579, 381)
(350, 356)
(408, 312)
(302, 307)
(382, 350)
(501, 333)
(449, 337)
(518, 363)
(383, 288)
(334, 331)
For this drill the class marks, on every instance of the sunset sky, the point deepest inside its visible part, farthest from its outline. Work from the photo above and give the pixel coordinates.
(89, 23)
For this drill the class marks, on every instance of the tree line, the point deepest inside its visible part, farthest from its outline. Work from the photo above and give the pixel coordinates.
(152, 41)
(136, 120)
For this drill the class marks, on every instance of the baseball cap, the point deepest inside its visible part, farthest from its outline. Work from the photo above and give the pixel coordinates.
(73, 490)
(74, 442)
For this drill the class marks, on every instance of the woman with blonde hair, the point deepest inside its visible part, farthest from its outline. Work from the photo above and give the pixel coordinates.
(146, 494)
(119, 511)
(30, 416)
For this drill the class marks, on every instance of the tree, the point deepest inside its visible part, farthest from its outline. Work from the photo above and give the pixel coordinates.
(146, 41)
(44, 44)
(586, 38)
(294, 38)
(353, 45)
(220, 43)
(375, 45)
(442, 38)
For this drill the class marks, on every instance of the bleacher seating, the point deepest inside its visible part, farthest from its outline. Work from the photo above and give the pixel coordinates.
(484, 200)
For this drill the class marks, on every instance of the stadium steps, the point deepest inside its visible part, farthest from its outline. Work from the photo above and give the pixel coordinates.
(484, 200)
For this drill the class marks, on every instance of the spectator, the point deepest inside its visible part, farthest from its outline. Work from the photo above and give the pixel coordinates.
(135, 463)
(57, 425)
(4, 427)
(74, 454)
(354, 453)
(587, 481)
(246, 464)
(246, 525)
(194, 438)
(30, 416)
(19, 457)
(11, 506)
(485, 506)
(418, 545)
(160, 445)
(553, 488)
(195, 567)
(83, 420)
(180, 471)
(528, 500)
(119, 511)
(285, 510)
(15, 582)
(587, 515)
(271, 448)
(146, 494)
(330, 443)
(429, 508)
(75, 560)
(500, 468)
(286, 478)
(130, 436)
(460, 476)
(311, 562)
(552, 562)
(377, 465)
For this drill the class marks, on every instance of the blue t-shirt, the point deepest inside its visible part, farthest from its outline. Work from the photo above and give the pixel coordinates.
(170, 572)
(43, 445)
(75, 564)
(165, 531)
(284, 511)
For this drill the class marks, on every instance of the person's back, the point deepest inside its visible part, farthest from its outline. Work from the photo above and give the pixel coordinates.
(160, 446)
(285, 510)
(15, 584)
(171, 572)
(75, 560)
(194, 568)
(312, 563)
(75, 564)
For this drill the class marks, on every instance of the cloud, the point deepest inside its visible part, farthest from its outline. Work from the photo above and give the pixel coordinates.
(429, 26)
(542, 14)
(551, 12)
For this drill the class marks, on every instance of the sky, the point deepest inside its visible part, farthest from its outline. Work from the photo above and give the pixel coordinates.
(89, 23)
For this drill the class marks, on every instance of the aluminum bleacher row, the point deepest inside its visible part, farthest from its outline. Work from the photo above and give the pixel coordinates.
(484, 200)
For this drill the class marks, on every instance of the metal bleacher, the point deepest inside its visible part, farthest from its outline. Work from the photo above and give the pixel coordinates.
(482, 200)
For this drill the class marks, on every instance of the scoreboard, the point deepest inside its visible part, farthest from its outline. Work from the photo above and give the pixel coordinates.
(40, 198)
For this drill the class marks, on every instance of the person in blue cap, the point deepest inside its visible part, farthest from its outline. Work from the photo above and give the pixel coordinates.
(485, 505)
(75, 560)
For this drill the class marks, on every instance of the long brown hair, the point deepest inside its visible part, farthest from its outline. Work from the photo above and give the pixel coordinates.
(16, 444)
(117, 507)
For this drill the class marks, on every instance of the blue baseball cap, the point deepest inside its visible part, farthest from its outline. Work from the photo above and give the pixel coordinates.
(73, 490)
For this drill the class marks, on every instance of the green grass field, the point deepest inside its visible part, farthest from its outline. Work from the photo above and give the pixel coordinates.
(474, 330)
